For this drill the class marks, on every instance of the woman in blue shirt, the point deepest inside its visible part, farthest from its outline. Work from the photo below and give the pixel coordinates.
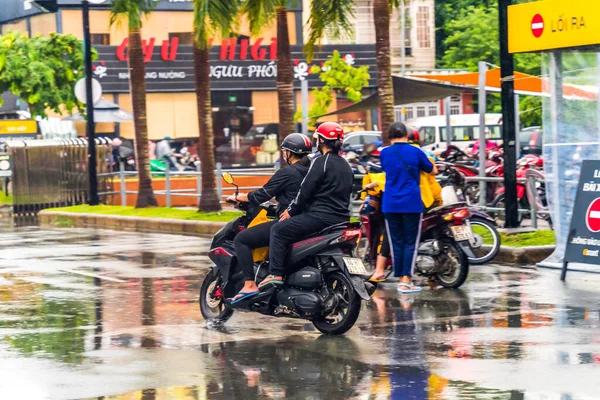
(402, 205)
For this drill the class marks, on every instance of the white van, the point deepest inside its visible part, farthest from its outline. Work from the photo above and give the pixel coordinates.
(465, 130)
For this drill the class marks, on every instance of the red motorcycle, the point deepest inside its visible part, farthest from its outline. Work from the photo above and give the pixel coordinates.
(524, 164)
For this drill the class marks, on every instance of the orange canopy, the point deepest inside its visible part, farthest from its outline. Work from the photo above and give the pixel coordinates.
(524, 84)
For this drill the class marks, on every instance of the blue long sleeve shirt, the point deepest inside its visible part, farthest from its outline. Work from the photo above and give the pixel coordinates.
(402, 164)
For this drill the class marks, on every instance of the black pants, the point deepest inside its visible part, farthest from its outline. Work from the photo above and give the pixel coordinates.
(287, 232)
(253, 238)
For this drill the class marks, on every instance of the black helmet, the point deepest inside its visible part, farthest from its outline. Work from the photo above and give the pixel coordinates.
(297, 143)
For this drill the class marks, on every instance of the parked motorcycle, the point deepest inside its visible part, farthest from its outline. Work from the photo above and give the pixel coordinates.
(325, 286)
(524, 164)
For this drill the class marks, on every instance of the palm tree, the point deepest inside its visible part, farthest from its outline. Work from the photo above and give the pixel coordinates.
(261, 13)
(385, 85)
(211, 18)
(133, 11)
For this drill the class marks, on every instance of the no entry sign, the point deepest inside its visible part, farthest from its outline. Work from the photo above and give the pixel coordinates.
(537, 25)
(583, 243)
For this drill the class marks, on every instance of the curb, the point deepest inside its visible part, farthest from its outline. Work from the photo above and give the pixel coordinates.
(56, 219)
(523, 255)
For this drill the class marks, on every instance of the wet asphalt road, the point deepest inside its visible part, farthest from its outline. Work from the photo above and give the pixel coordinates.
(104, 315)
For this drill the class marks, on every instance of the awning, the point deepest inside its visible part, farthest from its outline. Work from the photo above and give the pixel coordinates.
(406, 91)
(104, 111)
(419, 88)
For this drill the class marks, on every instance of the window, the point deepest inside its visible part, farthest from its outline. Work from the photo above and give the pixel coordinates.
(432, 110)
(423, 27)
(427, 134)
(185, 38)
(459, 133)
(368, 139)
(455, 105)
(493, 132)
(410, 114)
(421, 111)
(100, 39)
(353, 141)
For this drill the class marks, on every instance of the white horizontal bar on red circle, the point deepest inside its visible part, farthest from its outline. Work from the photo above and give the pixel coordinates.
(595, 214)
(538, 25)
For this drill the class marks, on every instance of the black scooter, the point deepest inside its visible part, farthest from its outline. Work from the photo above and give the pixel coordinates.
(325, 284)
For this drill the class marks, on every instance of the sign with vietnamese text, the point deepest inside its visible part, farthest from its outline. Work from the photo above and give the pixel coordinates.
(553, 24)
(18, 127)
(583, 243)
(235, 65)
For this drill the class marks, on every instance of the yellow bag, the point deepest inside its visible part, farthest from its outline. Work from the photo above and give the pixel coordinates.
(431, 190)
(261, 253)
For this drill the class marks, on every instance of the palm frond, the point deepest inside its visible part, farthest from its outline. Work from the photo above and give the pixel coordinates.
(331, 17)
(132, 11)
(214, 18)
(260, 13)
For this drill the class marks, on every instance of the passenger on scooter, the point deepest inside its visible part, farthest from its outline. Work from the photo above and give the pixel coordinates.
(323, 200)
(283, 186)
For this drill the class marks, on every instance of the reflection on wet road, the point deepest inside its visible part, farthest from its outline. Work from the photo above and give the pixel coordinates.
(105, 315)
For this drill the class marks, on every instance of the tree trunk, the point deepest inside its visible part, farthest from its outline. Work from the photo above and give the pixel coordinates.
(381, 15)
(285, 76)
(137, 87)
(209, 200)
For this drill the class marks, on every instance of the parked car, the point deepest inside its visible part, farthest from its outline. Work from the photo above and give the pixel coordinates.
(531, 141)
(356, 141)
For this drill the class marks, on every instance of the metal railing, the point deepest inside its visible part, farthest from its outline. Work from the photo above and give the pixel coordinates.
(536, 208)
(170, 193)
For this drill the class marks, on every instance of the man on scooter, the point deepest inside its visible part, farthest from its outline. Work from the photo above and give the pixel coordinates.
(323, 200)
(283, 186)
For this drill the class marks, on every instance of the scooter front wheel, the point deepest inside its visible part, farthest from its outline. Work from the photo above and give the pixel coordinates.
(212, 299)
(488, 239)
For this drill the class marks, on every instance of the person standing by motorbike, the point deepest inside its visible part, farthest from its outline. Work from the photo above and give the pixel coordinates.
(402, 203)
(323, 200)
(283, 186)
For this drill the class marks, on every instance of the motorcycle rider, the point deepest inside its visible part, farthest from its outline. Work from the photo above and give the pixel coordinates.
(283, 186)
(323, 200)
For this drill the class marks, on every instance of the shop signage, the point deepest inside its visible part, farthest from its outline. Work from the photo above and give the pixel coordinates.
(18, 127)
(583, 243)
(236, 65)
(230, 50)
(553, 24)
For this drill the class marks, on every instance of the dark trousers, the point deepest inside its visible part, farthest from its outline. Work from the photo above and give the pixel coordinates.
(287, 232)
(252, 238)
(404, 230)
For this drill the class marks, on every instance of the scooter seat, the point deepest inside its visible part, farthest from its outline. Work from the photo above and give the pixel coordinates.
(448, 206)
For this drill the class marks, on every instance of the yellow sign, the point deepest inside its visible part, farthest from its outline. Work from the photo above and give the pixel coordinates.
(18, 127)
(553, 24)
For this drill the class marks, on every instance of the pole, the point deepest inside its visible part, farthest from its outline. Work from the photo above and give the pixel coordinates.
(448, 122)
(123, 183)
(304, 87)
(168, 185)
(402, 36)
(199, 181)
(482, 138)
(556, 103)
(91, 134)
(508, 119)
(219, 174)
(518, 124)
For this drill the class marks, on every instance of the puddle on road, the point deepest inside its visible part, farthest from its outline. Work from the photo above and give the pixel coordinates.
(442, 344)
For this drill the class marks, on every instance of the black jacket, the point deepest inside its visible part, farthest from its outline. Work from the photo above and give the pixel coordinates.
(283, 186)
(326, 190)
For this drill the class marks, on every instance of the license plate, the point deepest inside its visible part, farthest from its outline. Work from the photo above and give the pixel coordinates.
(355, 266)
(462, 233)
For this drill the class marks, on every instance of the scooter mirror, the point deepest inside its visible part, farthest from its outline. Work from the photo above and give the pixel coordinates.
(228, 178)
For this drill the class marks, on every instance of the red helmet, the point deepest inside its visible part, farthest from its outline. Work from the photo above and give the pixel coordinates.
(330, 131)
(413, 135)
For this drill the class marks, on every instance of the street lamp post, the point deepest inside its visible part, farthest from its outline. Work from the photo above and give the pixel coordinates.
(91, 128)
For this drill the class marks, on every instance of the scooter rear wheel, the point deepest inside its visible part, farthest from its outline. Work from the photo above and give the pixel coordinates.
(213, 308)
(344, 315)
(455, 268)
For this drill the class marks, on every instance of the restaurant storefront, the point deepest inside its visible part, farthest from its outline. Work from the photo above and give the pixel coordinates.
(243, 75)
